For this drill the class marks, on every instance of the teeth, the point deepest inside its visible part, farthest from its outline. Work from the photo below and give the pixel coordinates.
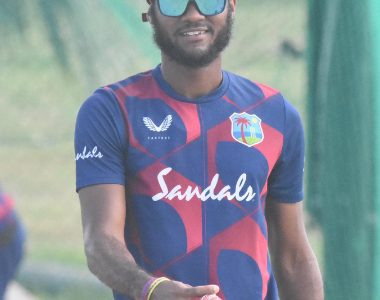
(191, 33)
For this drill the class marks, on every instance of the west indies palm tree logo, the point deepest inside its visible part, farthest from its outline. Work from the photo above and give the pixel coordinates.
(246, 129)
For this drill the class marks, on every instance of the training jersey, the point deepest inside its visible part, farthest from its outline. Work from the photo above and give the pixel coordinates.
(197, 175)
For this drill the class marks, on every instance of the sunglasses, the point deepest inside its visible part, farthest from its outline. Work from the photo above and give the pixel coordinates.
(176, 8)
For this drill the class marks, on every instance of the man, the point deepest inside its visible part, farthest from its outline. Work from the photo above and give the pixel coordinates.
(11, 242)
(180, 170)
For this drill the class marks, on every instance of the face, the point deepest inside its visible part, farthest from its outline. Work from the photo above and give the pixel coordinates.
(192, 40)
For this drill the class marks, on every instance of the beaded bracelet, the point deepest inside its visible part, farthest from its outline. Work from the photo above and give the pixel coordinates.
(154, 285)
(144, 292)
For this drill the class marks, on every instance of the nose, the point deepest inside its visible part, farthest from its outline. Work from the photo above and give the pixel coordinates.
(192, 12)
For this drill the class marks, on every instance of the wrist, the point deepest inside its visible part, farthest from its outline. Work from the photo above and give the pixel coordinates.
(137, 285)
(150, 286)
(145, 290)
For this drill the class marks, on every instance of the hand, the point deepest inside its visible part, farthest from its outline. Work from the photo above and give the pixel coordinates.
(175, 290)
(210, 297)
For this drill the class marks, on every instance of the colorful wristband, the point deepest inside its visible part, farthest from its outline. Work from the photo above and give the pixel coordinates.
(145, 290)
(154, 285)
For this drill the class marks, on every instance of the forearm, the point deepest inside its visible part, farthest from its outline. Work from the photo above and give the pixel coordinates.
(109, 259)
(103, 218)
(301, 280)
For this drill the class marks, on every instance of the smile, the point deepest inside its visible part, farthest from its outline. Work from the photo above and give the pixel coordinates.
(192, 33)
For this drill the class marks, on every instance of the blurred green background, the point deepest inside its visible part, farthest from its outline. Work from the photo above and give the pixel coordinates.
(53, 54)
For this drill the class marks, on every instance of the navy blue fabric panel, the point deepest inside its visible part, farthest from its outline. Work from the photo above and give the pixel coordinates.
(244, 92)
(192, 152)
(191, 268)
(100, 141)
(235, 270)
(161, 230)
(286, 180)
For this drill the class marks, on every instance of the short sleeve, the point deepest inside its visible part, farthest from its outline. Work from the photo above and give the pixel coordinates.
(285, 182)
(100, 142)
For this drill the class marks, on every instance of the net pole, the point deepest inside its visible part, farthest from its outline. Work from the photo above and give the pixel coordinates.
(342, 125)
(375, 23)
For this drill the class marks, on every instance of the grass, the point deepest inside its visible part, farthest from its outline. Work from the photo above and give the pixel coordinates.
(39, 100)
(55, 281)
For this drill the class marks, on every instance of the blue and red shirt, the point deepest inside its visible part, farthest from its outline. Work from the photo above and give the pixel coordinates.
(12, 237)
(197, 175)
(6, 210)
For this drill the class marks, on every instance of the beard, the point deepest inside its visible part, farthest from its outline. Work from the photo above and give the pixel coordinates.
(195, 59)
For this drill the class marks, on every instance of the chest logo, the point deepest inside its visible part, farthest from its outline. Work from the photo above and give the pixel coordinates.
(246, 129)
(166, 123)
(242, 192)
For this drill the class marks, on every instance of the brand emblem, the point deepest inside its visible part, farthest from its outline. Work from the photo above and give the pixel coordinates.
(246, 129)
(241, 192)
(166, 123)
(85, 154)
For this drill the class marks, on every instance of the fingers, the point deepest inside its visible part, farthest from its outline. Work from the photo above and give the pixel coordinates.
(202, 290)
(175, 290)
(210, 297)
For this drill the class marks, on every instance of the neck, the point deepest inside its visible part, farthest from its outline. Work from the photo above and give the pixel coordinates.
(192, 82)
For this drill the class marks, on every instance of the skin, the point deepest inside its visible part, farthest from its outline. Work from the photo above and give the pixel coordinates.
(196, 58)
(193, 82)
(295, 265)
(103, 206)
(103, 219)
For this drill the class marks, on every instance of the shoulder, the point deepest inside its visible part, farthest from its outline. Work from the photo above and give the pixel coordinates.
(105, 99)
(267, 102)
(135, 85)
(244, 83)
(262, 90)
(99, 103)
(255, 93)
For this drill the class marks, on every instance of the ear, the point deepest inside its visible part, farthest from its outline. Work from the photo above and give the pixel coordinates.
(233, 6)
(144, 17)
(147, 17)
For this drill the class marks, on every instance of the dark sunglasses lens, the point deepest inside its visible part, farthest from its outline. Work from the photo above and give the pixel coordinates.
(172, 8)
(211, 7)
(176, 8)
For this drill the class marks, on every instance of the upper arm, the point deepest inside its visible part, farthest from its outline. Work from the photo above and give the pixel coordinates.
(103, 211)
(285, 183)
(100, 142)
(286, 230)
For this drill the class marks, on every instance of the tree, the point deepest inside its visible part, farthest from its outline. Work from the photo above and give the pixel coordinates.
(243, 123)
